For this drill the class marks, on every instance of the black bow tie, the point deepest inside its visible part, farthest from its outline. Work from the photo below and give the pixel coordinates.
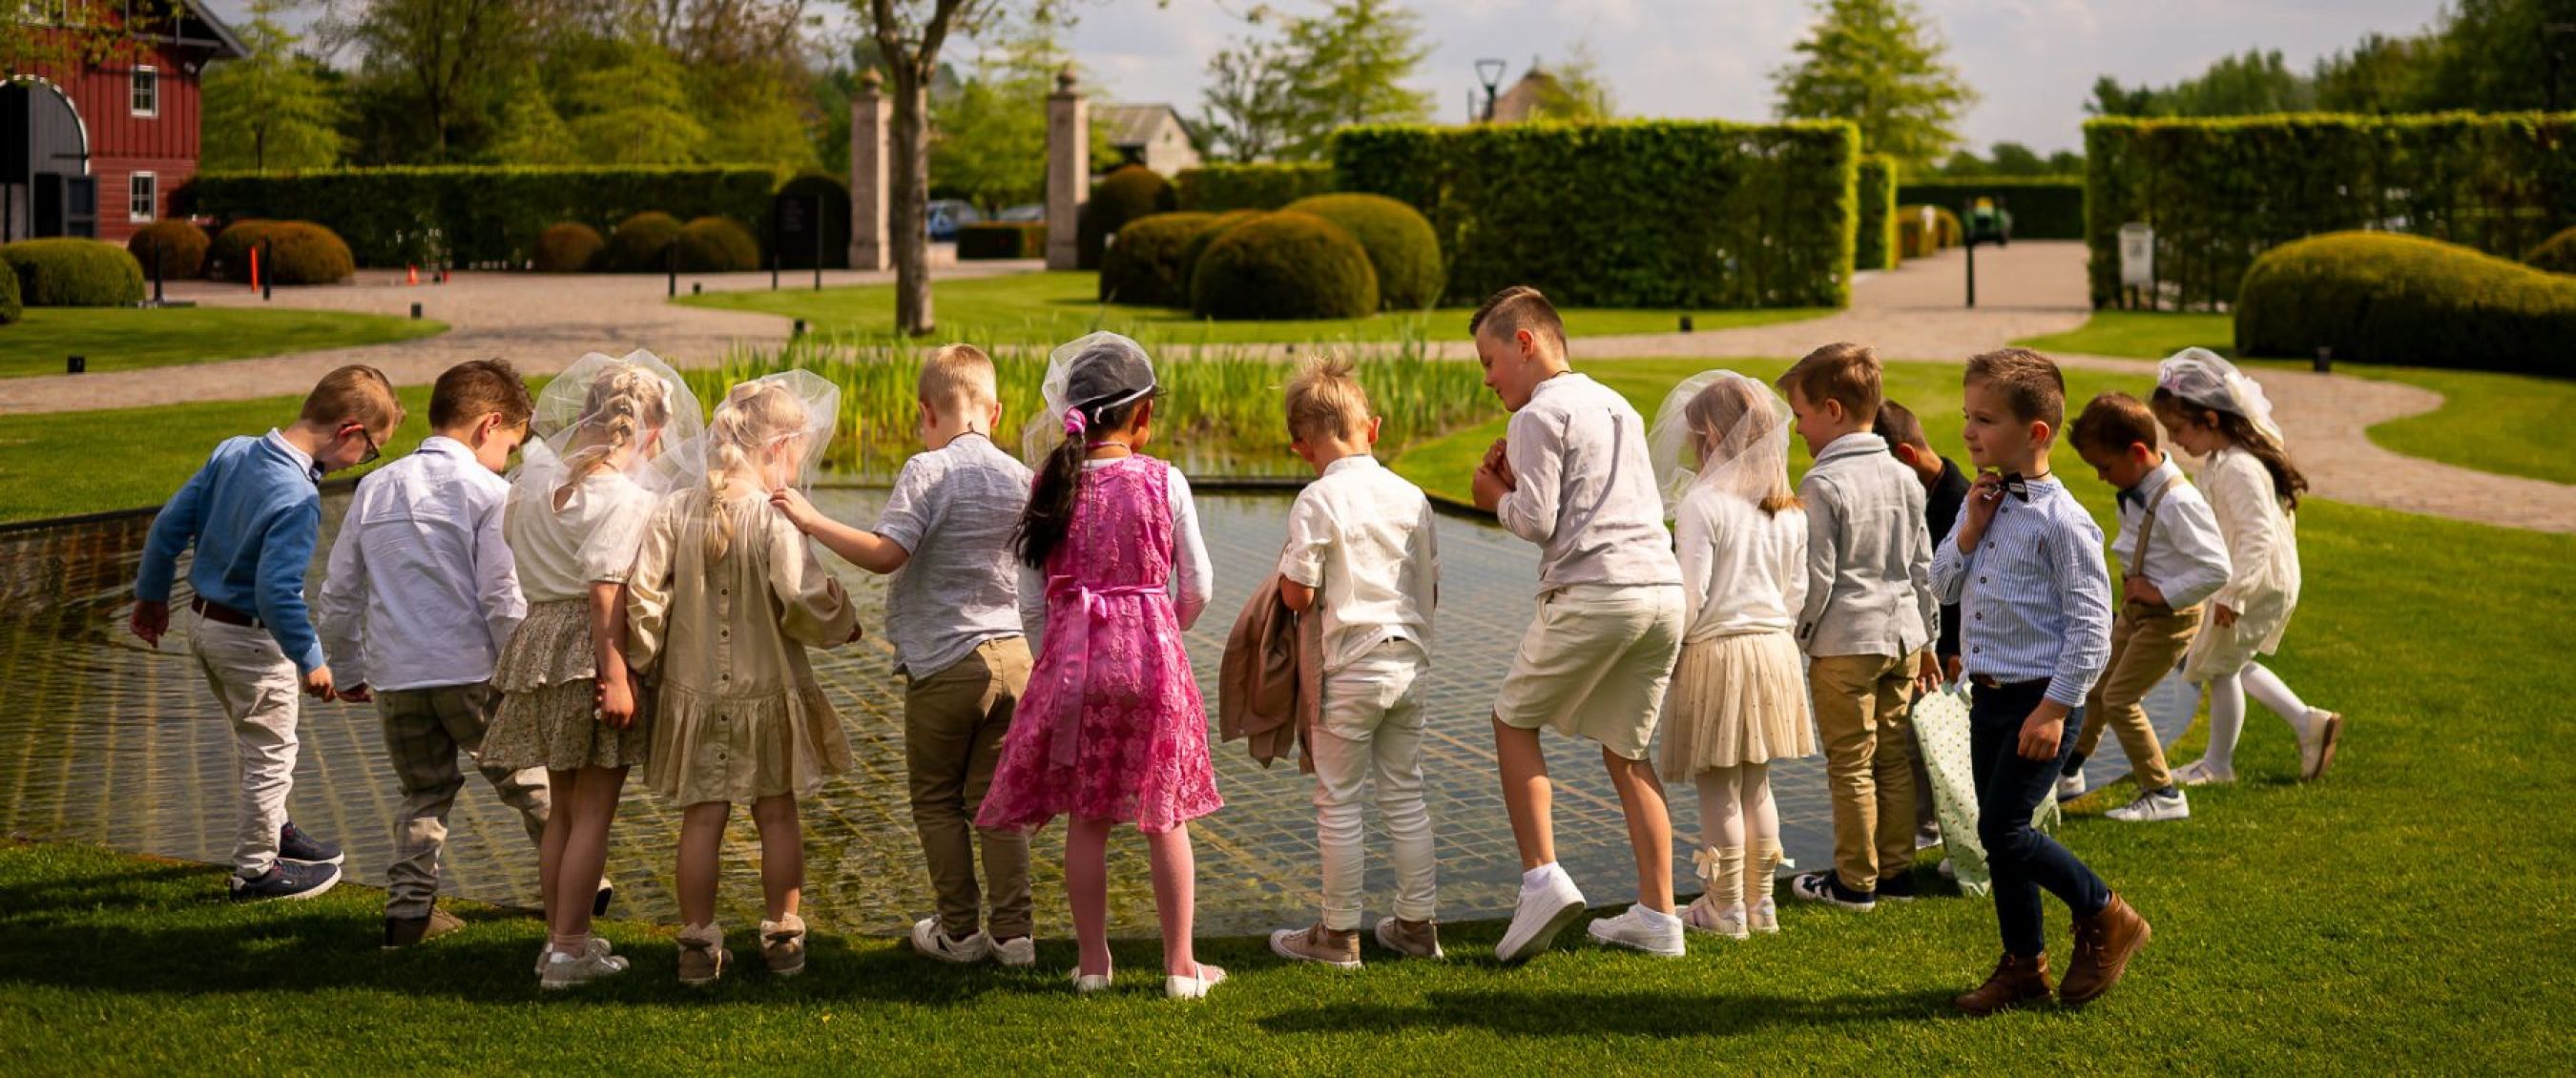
(2017, 486)
(2130, 497)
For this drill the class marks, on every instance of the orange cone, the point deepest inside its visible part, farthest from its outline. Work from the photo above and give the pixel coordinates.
(412, 276)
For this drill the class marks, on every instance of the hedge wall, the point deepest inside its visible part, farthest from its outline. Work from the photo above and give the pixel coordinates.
(2042, 209)
(1874, 245)
(1630, 214)
(1219, 188)
(2375, 297)
(2220, 192)
(485, 215)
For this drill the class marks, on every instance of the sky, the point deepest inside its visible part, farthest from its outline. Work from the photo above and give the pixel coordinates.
(2032, 62)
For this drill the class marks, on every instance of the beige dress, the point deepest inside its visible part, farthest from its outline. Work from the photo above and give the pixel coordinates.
(548, 671)
(2263, 558)
(1738, 694)
(738, 716)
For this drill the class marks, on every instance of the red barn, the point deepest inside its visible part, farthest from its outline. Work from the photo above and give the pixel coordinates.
(96, 149)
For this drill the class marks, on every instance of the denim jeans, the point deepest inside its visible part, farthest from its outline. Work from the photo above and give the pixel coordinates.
(2009, 789)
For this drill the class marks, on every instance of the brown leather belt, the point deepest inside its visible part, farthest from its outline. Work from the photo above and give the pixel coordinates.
(221, 614)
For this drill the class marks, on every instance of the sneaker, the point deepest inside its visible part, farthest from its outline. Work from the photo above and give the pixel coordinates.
(1896, 888)
(1641, 929)
(1927, 836)
(1192, 987)
(2070, 787)
(1827, 887)
(2154, 808)
(1704, 916)
(599, 902)
(401, 932)
(1412, 939)
(1016, 952)
(1763, 916)
(563, 971)
(929, 940)
(303, 849)
(2016, 981)
(2202, 773)
(1539, 915)
(1949, 870)
(596, 946)
(1318, 944)
(2104, 943)
(782, 945)
(286, 880)
(2317, 743)
(703, 957)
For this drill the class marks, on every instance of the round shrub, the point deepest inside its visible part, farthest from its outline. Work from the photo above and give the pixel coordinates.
(295, 252)
(1127, 193)
(569, 247)
(1284, 265)
(717, 245)
(1146, 266)
(1399, 242)
(637, 244)
(10, 311)
(1198, 245)
(2378, 297)
(2557, 254)
(180, 248)
(798, 252)
(228, 256)
(69, 272)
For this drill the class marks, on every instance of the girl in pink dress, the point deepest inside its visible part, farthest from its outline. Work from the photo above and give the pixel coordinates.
(1112, 729)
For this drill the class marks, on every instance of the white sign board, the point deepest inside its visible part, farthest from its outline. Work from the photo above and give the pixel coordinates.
(2137, 255)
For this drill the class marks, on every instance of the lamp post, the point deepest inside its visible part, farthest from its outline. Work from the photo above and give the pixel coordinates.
(1490, 73)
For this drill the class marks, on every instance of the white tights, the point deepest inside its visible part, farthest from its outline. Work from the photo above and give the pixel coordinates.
(2227, 710)
(1736, 812)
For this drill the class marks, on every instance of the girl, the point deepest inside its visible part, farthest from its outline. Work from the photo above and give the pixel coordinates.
(725, 598)
(2215, 412)
(1111, 729)
(1738, 699)
(569, 703)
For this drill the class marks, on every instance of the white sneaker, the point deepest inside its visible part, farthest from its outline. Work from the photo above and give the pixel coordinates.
(597, 946)
(1927, 836)
(2201, 773)
(1704, 916)
(1016, 952)
(1539, 915)
(1641, 929)
(1949, 870)
(2070, 787)
(1194, 987)
(929, 940)
(2153, 808)
(572, 971)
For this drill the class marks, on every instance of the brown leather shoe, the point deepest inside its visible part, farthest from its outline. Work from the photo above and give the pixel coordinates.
(401, 932)
(1339, 949)
(2103, 944)
(2016, 981)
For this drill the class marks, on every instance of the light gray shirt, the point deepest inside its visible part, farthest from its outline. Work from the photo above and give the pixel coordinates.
(1869, 554)
(953, 509)
(1586, 491)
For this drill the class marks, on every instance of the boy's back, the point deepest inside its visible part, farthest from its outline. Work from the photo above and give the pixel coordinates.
(1585, 489)
(253, 514)
(1364, 537)
(421, 590)
(1868, 553)
(954, 509)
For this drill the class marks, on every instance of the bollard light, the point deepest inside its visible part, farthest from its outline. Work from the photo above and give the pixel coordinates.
(799, 331)
(2325, 359)
(1686, 323)
(697, 288)
(415, 312)
(76, 365)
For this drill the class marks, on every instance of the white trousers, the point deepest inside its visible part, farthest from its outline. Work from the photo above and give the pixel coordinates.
(258, 688)
(1371, 732)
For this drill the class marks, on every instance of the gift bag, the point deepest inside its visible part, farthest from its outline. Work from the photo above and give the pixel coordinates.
(2171, 705)
(1941, 731)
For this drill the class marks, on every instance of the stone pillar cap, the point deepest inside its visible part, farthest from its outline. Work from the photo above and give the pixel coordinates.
(1066, 80)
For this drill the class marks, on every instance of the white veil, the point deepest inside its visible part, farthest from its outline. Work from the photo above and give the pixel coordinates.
(818, 401)
(2201, 378)
(574, 426)
(1751, 457)
(1046, 429)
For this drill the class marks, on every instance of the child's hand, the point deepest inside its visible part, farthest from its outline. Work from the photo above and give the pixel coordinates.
(1488, 488)
(1927, 674)
(856, 631)
(2223, 614)
(1985, 497)
(616, 702)
(1499, 461)
(2141, 591)
(318, 684)
(2039, 733)
(357, 694)
(1951, 667)
(799, 511)
(149, 621)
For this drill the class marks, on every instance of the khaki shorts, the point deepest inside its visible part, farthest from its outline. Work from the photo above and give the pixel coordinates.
(1594, 664)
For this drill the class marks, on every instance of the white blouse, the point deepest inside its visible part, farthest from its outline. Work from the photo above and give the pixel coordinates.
(1743, 570)
(593, 538)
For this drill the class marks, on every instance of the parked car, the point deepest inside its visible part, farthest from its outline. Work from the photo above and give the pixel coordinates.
(947, 215)
(1030, 213)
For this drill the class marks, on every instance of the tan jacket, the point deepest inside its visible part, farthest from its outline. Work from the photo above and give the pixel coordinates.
(1270, 686)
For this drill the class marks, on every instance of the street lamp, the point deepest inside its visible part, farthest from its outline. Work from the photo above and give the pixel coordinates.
(1490, 73)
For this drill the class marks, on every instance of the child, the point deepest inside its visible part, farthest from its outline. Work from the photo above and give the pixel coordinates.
(1945, 489)
(1868, 624)
(569, 704)
(2218, 414)
(1738, 700)
(725, 597)
(2026, 565)
(1112, 730)
(253, 516)
(1573, 477)
(419, 599)
(952, 611)
(2172, 557)
(1362, 554)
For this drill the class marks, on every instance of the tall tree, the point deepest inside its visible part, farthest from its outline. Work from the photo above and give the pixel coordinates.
(270, 109)
(531, 131)
(1283, 95)
(1247, 112)
(1576, 91)
(81, 33)
(446, 62)
(2381, 74)
(909, 36)
(636, 111)
(988, 134)
(1879, 64)
(2253, 83)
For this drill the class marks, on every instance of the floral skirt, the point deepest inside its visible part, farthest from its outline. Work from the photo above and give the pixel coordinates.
(1735, 700)
(549, 716)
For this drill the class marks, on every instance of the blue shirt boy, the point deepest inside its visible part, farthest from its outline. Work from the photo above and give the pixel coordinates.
(254, 514)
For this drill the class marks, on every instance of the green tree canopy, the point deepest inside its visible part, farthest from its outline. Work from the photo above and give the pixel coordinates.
(270, 110)
(1283, 95)
(1879, 64)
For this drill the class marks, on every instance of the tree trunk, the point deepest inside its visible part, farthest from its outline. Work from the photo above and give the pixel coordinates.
(909, 212)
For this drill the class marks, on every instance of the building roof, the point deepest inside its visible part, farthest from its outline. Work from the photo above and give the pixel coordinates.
(1134, 125)
(197, 26)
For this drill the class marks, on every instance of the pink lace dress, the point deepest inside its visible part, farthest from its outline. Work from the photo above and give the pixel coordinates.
(1111, 727)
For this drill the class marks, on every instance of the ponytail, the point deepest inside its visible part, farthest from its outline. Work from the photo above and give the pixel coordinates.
(1057, 492)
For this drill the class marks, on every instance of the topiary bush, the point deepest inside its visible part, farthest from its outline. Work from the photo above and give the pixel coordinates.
(10, 310)
(2557, 254)
(301, 252)
(228, 255)
(1914, 242)
(1216, 228)
(717, 245)
(1217, 188)
(70, 272)
(639, 243)
(1129, 192)
(1399, 242)
(1284, 265)
(2378, 297)
(1876, 245)
(986, 240)
(179, 247)
(1148, 263)
(568, 247)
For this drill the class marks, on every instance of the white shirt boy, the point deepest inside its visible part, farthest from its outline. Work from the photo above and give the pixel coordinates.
(2186, 556)
(1363, 537)
(420, 590)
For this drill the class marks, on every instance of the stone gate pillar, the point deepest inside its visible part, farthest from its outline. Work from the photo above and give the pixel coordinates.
(869, 196)
(1068, 173)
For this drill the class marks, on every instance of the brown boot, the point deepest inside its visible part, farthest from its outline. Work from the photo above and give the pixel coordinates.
(2016, 981)
(2103, 944)
(1339, 949)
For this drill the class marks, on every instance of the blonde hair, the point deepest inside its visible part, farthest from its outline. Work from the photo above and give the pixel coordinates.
(1713, 414)
(1846, 374)
(1324, 398)
(1517, 308)
(958, 374)
(625, 400)
(753, 417)
(357, 394)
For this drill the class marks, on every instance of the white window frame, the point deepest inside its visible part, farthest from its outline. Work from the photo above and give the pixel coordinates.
(134, 90)
(146, 209)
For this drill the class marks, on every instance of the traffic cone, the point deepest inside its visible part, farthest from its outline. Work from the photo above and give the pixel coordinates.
(412, 275)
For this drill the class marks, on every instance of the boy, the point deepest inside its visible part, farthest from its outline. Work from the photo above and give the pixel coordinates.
(1867, 627)
(2026, 566)
(952, 612)
(1945, 487)
(253, 515)
(1573, 477)
(417, 599)
(2172, 557)
(1361, 553)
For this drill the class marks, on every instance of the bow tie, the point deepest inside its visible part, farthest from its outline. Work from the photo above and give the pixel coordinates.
(2017, 486)
(2130, 497)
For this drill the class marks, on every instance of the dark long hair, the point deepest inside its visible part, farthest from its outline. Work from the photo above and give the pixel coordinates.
(1058, 490)
(2287, 483)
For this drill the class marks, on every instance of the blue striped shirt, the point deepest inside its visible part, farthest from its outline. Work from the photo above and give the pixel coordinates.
(2035, 597)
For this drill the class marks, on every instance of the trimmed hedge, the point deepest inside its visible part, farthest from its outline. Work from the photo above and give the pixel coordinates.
(2221, 192)
(1147, 265)
(179, 246)
(1216, 228)
(1127, 193)
(1220, 188)
(2042, 208)
(1913, 242)
(570, 247)
(717, 245)
(2557, 254)
(295, 252)
(1398, 240)
(1659, 213)
(11, 311)
(641, 243)
(483, 215)
(2378, 297)
(1287, 266)
(1874, 244)
(836, 224)
(1001, 239)
(71, 272)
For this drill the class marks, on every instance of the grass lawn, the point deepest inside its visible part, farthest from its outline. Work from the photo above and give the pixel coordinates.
(1054, 307)
(87, 462)
(2508, 424)
(120, 338)
(2406, 913)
